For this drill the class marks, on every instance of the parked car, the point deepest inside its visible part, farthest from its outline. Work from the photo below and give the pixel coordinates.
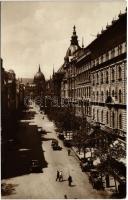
(86, 164)
(35, 166)
(61, 136)
(54, 142)
(95, 179)
(57, 147)
(67, 143)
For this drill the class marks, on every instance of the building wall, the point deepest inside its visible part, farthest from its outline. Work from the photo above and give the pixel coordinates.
(104, 58)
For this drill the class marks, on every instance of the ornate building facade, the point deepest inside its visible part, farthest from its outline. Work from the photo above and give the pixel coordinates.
(108, 77)
(94, 86)
(94, 79)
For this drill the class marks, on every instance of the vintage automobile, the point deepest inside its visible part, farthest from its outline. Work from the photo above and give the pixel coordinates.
(56, 147)
(35, 166)
(86, 164)
(95, 179)
(54, 142)
(61, 136)
(67, 143)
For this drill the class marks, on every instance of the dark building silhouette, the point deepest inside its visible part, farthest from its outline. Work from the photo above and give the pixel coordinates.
(40, 87)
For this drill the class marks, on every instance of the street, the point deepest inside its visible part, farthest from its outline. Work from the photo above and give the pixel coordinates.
(44, 185)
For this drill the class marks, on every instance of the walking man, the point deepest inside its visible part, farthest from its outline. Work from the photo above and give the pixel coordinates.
(69, 180)
(69, 151)
(57, 175)
(60, 176)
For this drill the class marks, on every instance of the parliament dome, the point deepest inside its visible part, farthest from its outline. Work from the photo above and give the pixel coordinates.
(39, 76)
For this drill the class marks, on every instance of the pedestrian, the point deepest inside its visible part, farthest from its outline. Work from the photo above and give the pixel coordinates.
(60, 176)
(57, 175)
(69, 151)
(69, 180)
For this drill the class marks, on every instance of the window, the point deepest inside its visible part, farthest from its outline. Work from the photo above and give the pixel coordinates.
(107, 56)
(113, 120)
(113, 53)
(89, 91)
(120, 73)
(106, 76)
(107, 117)
(120, 96)
(107, 93)
(113, 93)
(94, 96)
(102, 96)
(97, 79)
(119, 49)
(93, 113)
(97, 115)
(120, 121)
(93, 80)
(97, 94)
(113, 75)
(101, 77)
(102, 116)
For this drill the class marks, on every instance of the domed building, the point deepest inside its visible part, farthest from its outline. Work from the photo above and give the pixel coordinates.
(74, 46)
(39, 81)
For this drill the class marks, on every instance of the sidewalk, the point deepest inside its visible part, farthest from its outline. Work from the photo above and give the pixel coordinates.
(109, 190)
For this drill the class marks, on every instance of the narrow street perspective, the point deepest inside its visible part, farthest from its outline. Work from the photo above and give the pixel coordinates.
(44, 185)
(63, 99)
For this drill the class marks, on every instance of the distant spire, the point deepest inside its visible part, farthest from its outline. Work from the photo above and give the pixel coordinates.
(74, 40)
(74, 29)
(82, 42)
(39, 69)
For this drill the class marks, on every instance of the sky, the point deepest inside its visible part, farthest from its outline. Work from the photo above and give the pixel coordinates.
(34, 33)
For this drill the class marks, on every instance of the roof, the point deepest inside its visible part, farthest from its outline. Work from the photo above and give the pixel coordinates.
(39, 76)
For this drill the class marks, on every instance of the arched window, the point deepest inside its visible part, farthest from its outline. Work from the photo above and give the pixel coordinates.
(120, 73)
(119, 49)
(107, 93)
(107, 56)
(107, 117)
(102, 96)
(97, 78)
(113, 93)
(113, 75)
(94, 96)
(97, 94)
(101, 77)
(120, 121)
(113, 120)
(102, 116)
(106, 76)
(113, 53)
(93, 113)
(120, 96)
(98, 115)
(93, 79)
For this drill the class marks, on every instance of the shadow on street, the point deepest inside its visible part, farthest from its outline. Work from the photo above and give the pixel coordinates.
(17, 155)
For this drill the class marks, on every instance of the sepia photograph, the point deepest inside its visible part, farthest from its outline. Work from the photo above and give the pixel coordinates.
(63, 99)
